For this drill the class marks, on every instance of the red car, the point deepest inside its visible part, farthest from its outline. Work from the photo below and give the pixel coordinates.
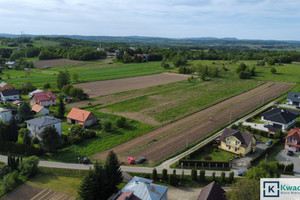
(130, 160)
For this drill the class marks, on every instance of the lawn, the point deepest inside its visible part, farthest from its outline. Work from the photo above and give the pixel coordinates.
(104, 140)
(88, 71)
(215, 154)
(180, 99)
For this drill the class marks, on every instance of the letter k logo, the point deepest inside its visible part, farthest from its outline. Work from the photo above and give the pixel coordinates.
(271, 188)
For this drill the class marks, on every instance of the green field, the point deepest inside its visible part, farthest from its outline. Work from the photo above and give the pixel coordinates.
(104, 140)
(182, 98)
(88, 71)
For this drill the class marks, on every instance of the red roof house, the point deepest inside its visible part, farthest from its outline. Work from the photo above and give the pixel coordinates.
(81, 117)
(43, 99)
(292, 140)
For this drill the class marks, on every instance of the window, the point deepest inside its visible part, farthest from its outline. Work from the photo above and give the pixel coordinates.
(236, 148)
(228, 146)
(237, 142)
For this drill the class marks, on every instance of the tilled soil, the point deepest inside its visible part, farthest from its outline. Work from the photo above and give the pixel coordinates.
(99, 88)
(167, 140)
(54, 63)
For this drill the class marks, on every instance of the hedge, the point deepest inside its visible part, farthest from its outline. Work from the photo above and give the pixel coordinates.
(18, 148)
(256, 158)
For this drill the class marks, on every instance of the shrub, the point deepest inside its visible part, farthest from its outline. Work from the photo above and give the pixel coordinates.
(154, 175)
(46, 86)
(231, 177)
(165, 175)
(173, 180)
(222, 177)
(213, 176)
(8, 183)
(121, 122)
(107, 126)
(194, 174)
(207, 158)
(35, 140)
(29, 167)
(273, 70)
(202, 175)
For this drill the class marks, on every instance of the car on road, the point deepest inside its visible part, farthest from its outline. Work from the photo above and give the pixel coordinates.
(130, 160)
(242, 173)
(290, 153)
(141, 160)
(269, 142)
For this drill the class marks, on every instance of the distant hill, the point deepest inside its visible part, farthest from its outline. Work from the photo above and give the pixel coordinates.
(197, 41)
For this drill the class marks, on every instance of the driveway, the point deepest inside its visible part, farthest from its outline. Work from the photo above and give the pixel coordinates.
(256, 126)
(284, 158)
(243, 163)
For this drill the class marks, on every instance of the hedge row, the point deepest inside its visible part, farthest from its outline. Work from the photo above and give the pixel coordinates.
(256, 158)
(18, 148)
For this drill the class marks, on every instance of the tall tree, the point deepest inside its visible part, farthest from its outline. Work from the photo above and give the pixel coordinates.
(25, 112)
(246, 188)
(50, 140)
(61, 108)
(63, 79)
(87, 189)
(13, 127)
(113, 171)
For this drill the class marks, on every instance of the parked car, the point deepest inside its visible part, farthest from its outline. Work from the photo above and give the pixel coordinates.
(242, 173)
(290, 153)
(130, 160)
(85, 160)
(141, 160)
(269, 142)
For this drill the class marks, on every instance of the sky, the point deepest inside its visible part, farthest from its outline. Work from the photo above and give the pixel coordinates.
(242, 19)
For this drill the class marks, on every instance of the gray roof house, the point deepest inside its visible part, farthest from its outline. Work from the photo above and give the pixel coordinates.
(277, 118)
(37, 125)
(141, 188)
(293, 98)
(10, 95)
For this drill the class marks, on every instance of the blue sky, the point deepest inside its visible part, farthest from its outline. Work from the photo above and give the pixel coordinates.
(243, 19)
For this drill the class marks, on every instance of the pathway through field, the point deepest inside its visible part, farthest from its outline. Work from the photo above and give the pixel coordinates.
(175, 136)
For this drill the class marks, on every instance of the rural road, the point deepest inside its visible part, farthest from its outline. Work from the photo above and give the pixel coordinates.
(164, 165)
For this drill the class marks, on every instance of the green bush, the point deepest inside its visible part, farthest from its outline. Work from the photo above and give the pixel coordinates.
(154, 175)
(165, 175)
(222, 177)
(202, 175)
(8, 183)
(213, 176)
(121, 122)
(29, 167)
(194, 174)
(107, 126)
(173, 180)
(231, 177)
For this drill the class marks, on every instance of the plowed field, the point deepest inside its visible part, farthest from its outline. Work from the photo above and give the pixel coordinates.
(175, 136)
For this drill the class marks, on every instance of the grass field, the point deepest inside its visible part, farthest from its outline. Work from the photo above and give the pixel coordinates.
(88, 71)
(215, 154)
(103, 141)
(180, 99)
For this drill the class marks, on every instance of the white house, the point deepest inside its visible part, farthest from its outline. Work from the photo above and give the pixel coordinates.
(10, 95)
(5, 115)
(40, 110)
(35, 91)
(43, 99)
(37, 125)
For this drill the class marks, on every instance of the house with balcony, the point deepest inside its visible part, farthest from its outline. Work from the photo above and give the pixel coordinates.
(278, 118)
(237, 142)
(292, 140)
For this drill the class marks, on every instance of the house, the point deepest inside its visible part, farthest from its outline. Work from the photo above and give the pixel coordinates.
(81, 117)
(10, 64)
(237, 142)
(212, 192)
(17, 102)
(37, 125)
(43, 99)
(5, 115)
(293, 98)
(141, 189)
(35, 91)
(6, 86)
(40, 110)
(10, 95)
(277, 119)
(292, 140)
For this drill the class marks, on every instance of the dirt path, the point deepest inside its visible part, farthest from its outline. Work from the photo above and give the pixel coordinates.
(173, 137)
(55, 62)
(99, 88)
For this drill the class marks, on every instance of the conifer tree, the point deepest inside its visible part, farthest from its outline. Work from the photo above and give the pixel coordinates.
(113, 171)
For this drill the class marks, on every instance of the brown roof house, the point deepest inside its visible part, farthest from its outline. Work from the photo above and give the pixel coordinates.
(237, 142)
(292, 140)
(212, 192)
(6, 86)
(43, 99)
(81, 117)
(40, 110)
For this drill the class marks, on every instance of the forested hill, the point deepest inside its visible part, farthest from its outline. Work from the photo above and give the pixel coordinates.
(202, 41)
